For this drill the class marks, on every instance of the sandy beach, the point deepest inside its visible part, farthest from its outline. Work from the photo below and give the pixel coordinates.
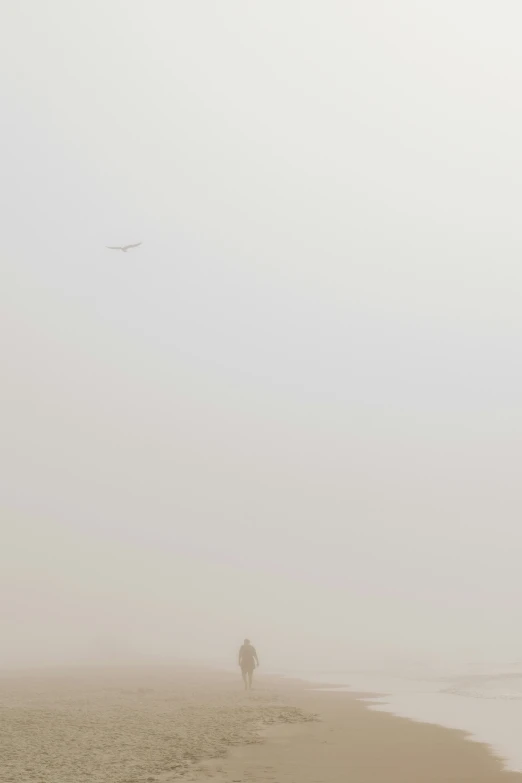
(137, 725)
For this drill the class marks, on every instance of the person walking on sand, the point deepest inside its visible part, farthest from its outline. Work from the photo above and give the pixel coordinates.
(248, 661)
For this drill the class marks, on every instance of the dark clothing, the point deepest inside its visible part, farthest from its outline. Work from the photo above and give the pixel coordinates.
(247, 658)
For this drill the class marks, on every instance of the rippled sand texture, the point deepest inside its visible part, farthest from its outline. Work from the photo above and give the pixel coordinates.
(126, 726)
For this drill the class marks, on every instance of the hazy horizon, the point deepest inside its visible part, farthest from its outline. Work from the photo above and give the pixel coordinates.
(293, 413)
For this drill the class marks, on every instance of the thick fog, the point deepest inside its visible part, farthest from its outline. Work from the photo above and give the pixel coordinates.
(293, 413)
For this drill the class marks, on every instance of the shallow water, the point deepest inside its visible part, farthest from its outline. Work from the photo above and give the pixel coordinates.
(486, 704)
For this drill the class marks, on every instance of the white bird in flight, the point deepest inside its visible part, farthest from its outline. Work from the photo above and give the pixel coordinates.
(123, 248)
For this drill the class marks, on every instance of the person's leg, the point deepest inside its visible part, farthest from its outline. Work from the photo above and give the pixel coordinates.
(250, 675)
(244, 675)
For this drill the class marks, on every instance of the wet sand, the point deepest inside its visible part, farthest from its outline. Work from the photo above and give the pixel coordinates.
(352, 743)
(145, 725)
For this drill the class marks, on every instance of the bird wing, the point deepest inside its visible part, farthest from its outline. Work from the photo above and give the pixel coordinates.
(126, 247)
(111, 247)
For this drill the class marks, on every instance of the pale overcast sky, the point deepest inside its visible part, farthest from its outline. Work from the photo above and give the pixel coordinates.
(294, 412)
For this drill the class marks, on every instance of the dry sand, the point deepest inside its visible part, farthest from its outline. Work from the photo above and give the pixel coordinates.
(126, 726)
(137, 725)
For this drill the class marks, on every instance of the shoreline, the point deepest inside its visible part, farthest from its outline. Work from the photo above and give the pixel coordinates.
(352, 741)
(148, 724)
(492, 721)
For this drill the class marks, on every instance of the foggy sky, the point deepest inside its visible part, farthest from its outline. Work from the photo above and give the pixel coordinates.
(294, 412)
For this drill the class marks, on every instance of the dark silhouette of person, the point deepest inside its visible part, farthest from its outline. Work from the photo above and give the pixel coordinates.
(248, 661)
